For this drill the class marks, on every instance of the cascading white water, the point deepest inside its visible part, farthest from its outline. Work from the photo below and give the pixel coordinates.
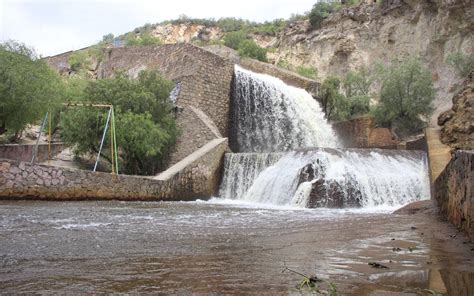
(332, 178)
(241, 169)
(269, 115)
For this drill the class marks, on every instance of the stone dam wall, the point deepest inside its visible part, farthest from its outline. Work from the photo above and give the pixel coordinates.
(454, 191)
(198, 178)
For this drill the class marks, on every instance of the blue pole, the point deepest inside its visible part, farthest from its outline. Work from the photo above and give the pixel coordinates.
(103, 139)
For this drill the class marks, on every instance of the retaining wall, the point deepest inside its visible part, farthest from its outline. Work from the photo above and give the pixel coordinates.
(24, 152)
(362, 133)
(454, 191)
(197, 179)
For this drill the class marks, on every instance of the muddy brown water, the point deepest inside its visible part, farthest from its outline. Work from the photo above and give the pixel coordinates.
(212, 248)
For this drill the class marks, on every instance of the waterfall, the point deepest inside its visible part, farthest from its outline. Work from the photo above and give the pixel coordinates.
(269, 115)
(328, 178)
(241, 169)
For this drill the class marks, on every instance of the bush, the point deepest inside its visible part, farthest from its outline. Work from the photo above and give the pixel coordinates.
(142, 39)
(28, 88)
(320, 11)
(357, 86)
(233, 39)
(333, 102)
(248, 48)
(463, 64)
(79, 60)
(145, 124)
(308, 72)
(406, 97)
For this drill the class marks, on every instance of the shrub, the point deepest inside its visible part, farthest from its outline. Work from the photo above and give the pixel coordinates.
(142, 39)
(145, 124)
(463, 64)
(332, 100)
(308, 72)
(406, 97)
(320, 11)
(233, 39)
(248, 48)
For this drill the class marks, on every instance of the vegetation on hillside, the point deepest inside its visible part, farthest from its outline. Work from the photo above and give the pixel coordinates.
(28, 88)
(245, 46)
(462, 63)
(145, 124)
(404, 99)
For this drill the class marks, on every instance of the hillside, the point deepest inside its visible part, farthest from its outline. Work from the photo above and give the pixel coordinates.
(354, 36)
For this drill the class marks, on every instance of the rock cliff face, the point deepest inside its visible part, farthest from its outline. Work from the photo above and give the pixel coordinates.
(371, 33)
(364, 35)
(458, 123)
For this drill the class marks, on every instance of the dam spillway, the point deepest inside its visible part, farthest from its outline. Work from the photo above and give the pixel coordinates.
(290, 155)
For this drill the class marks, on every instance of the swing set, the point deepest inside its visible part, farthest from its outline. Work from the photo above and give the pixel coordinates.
(109, 126)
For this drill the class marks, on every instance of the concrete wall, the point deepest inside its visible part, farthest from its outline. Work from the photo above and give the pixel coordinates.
(197, 179)
(454, 191)
(24, 152)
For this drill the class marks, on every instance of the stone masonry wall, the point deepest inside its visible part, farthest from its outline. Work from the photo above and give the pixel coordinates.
(194, 134)
(20, 180)
(454, 191)
(205, 77)
(24, 152)
(362, 133)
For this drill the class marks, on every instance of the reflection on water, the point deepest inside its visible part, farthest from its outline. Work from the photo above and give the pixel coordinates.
(209, 247)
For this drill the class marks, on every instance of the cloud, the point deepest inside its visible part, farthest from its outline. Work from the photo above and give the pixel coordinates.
(55, 26)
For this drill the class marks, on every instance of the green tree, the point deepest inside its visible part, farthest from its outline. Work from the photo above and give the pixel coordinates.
(462, 63)
(332, 100)
(234, 39)
(28, 88)
(145, 124)
(357, 86)
(406, 97)
(320, 11)
(248, 48)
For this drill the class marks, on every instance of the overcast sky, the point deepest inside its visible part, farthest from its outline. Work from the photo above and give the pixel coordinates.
(55, 26)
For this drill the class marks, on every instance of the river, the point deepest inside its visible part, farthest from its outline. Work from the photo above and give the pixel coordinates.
(225, 247)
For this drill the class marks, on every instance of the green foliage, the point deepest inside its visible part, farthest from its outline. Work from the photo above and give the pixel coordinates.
(463, 64)
(248, 48)
(269, 28)
(320, 11)
(406, 96)
(145, 123)
(308, 72)
(109, 38)
(282, 63)
(333, 101)
(142, 39)
(28, 88)
(234, 39)
(357, 85)
(298, 17)
(79, 60)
